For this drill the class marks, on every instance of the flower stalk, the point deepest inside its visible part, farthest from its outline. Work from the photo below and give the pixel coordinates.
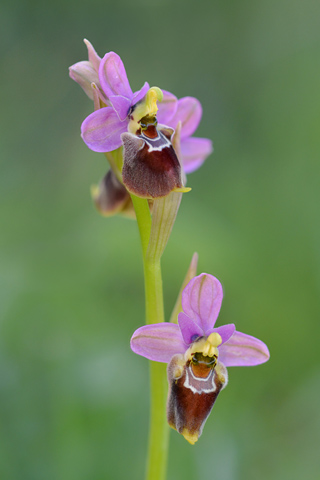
(156, 467)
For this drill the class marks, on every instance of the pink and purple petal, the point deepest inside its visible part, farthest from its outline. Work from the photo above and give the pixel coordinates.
(189, 113)
(97, 96)
(201, 300)
(121, 105)
(84, 74)
(102, 129)
(243, 350)
(113, 77)
(194, 151)
(167, 107)
(189, 329)
(225, 332)
(158, 342)
(94, 58)
(140, 94)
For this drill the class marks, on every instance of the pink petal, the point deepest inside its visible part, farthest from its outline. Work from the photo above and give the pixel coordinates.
(225, 332)
(194, 151)
(113, 77)
(84, 74)
(98, 95)
(158, 342)
(140, 94)
(201, 300)
(102, 129)
(243, 351)
(189, 328)
(94, 58)
(167, 108)
(121, 105)
(189, 113)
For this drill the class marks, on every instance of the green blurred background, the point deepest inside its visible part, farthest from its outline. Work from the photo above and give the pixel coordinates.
(73, 397)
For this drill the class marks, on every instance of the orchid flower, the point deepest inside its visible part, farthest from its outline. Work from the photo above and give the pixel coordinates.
(197, 354)
(101, 130)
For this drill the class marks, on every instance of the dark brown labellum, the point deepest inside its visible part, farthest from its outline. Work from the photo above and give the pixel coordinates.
(151, 168)
(193, 389)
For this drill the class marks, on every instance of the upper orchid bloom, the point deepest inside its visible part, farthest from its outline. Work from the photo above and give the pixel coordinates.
(197, 353)
(151, 168)
(108, 79)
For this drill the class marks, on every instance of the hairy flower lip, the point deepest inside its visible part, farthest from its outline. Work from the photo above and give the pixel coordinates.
(151, 168)
(192, 394)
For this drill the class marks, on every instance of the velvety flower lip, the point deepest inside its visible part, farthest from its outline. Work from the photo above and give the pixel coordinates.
(201, 302)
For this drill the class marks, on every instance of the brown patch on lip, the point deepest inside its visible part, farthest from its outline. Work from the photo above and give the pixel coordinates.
(149, 126)
(151, 131)
(201, 366)
(150, 172)
(201, 370)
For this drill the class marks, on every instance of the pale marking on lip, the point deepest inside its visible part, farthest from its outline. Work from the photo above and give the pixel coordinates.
(187, 383)
(151, 148)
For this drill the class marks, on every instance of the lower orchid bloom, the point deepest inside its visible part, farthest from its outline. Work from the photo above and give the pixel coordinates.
(197, 354)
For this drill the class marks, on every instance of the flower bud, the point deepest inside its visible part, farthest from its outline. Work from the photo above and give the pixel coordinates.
(111, 197)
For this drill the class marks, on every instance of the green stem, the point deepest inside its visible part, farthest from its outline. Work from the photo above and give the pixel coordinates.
(115, 160)
(159, 430)
(144, 220)
(153, 291)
